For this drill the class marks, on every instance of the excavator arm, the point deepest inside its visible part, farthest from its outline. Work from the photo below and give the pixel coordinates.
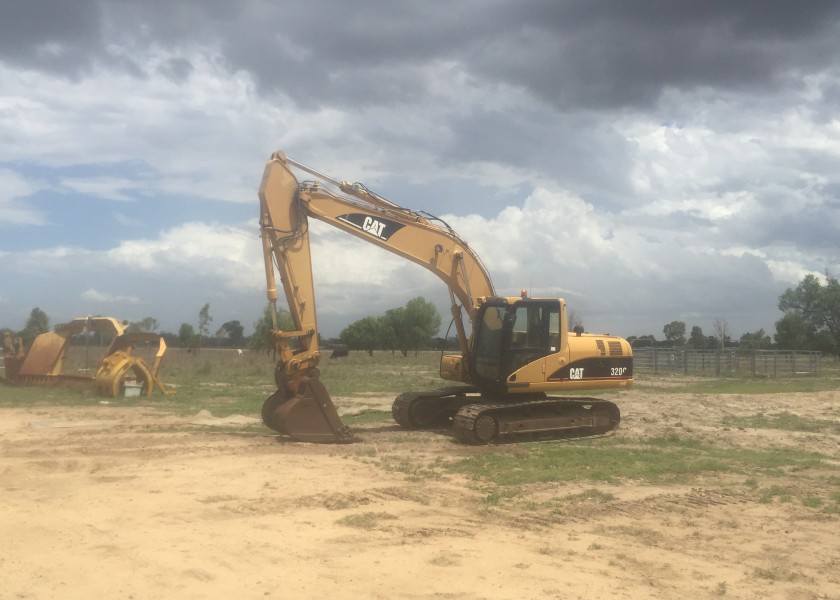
(287, 204)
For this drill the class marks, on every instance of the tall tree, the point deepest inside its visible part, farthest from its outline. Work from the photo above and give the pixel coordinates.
(147, 324)
(366, 334)
(675, 332)
(187, 336)
(573, 320)
(37, 323)
(261, 340)
(204, 320)
(818, 306)
(697, 340)
(422, 322)
(234, 332)
(793, 332)
(755, 341)
(394, 327)
(721, 332)
(411, 327)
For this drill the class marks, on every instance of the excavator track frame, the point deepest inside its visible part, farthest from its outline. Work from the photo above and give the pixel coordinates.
(431, 408)
(545, 419)
(476, 419)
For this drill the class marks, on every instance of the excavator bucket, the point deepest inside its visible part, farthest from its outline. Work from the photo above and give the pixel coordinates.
(305, 411)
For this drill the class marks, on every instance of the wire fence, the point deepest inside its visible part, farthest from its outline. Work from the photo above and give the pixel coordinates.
(728, 361)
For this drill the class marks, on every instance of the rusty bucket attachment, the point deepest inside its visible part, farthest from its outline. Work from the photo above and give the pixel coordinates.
(44, 363)
(304, 410)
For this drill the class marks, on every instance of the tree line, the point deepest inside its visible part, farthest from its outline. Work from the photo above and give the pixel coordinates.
(811, 321)
(408, 328)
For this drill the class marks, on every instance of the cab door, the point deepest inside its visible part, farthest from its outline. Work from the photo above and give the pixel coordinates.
(534, 332)
(510, 337)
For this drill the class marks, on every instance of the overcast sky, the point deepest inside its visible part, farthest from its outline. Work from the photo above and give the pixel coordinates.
(649, 161)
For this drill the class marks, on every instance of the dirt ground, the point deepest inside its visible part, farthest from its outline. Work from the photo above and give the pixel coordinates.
(131, 503)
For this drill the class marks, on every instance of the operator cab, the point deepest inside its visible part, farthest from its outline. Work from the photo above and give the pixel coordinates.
(511, 335)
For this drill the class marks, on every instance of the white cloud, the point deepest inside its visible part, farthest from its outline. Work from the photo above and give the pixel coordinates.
(109, 188)
(14, 188)
(92, 295)
(212, 125)
(230, 255)
(125, 220)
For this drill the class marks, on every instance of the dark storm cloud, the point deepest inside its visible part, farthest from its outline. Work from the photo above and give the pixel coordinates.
(571, 54)
(52, 35)
(616, 54)
(574, 148)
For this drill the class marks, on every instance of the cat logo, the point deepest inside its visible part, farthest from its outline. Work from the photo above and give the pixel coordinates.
(373, 227)
(379, 228)
(576, 373)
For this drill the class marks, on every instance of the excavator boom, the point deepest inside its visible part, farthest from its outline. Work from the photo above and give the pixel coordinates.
(301, 407)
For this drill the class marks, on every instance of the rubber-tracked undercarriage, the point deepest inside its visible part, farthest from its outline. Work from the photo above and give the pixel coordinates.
(475, 420)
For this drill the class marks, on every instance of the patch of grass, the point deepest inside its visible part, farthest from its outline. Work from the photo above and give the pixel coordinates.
(367, 520)
(657, 460)
(773, 492)
(785, 421)
(645, 535)
(46, 396)
(812, 501)
(383, 372)
(368, 416)
(776, 574)
(445, 560)
(413, 471)
(832, 506)
(495, 496)
(734, 384)
(592, 496)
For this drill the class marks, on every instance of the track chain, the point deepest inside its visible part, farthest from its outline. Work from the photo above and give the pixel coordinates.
(468, 418)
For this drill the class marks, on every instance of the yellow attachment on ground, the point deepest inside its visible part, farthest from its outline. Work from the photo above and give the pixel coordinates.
(117, 371)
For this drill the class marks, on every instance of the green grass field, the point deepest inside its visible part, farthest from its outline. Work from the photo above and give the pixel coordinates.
(222, 381)
(225, 383)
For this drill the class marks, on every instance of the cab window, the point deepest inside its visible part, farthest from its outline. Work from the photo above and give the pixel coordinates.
(534, 333)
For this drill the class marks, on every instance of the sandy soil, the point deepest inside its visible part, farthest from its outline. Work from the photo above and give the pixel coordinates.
(100, 502)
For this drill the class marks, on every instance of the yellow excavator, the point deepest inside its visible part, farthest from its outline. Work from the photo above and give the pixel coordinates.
(513, 351)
